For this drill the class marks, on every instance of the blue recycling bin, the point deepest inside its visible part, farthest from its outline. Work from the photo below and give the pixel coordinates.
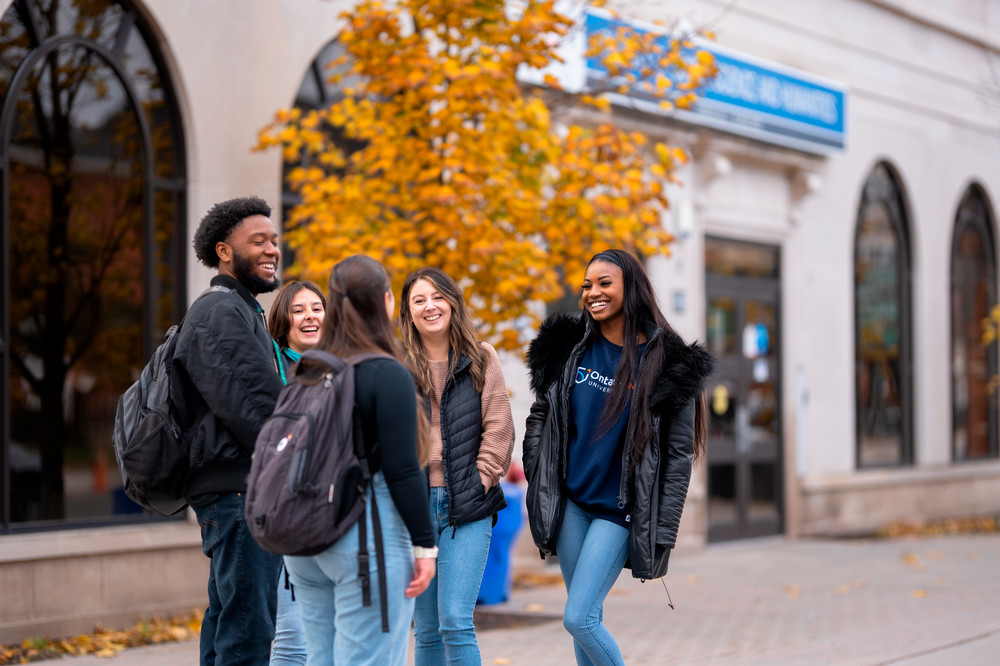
(495, 587)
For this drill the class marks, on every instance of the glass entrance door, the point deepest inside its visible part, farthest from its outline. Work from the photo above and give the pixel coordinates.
(744, 439)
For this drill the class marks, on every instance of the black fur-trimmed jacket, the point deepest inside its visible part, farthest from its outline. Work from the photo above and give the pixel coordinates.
(654, 488)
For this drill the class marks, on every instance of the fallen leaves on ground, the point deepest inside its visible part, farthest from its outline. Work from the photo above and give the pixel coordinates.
(906, 528)
(104, 642)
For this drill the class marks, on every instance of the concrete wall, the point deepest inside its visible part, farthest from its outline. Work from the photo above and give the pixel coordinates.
(67, 582)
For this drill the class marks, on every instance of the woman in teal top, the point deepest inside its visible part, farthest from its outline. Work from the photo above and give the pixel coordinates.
(294, 322)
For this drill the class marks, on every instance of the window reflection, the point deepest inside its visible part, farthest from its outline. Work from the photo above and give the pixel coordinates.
(881, 334)
(726, 258)
(973, 364)
(763, 490)
(78, 184)
(722, 506)
(723, 400)
(721, 326)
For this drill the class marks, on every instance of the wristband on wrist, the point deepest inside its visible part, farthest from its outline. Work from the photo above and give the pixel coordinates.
(423, 553)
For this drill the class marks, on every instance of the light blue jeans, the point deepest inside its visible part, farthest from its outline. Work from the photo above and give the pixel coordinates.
(442, 620)
(595, 549)
(289, 646)
(338, 628)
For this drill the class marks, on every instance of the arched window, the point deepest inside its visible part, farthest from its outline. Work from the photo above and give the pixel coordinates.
(93, 248)
(973, 364)
(883, 339)
(317, 91)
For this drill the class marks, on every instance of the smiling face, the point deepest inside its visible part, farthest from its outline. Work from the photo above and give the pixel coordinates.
(429, 310)
(250, 254)
(305, 319)
(604, 292)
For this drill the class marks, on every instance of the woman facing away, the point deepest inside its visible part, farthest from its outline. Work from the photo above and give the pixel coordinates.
(618, 419)
(472, 436)
(294, 323)
(338, 627)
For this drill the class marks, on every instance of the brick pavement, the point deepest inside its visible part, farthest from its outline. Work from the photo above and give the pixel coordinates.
(913, 602)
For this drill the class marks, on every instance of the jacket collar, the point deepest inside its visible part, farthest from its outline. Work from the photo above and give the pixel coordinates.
(232, 283)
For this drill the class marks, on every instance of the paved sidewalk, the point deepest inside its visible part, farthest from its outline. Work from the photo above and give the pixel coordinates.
(911, 602)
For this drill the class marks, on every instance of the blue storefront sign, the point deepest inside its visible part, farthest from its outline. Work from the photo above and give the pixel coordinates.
(749, 97)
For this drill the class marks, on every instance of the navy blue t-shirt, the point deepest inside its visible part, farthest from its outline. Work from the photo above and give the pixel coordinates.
(594, 470)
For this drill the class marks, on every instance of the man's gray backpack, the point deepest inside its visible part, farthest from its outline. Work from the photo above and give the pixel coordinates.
(152, 456)
(310, 471)
(151, 451)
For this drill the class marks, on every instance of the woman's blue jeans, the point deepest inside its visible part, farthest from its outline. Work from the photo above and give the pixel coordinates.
(443, 623)
(289, 647)
(592, 552)
(338, 628)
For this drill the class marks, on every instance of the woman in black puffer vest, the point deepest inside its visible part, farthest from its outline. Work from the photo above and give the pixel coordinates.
(618, 418)
(472, 435)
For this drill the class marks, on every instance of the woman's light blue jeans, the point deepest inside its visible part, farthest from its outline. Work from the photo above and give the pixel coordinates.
(445, 633)
(592, 552)
(289, 646)
(338, 628)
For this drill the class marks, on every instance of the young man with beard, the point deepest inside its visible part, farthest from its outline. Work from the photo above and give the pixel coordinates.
(225, 383)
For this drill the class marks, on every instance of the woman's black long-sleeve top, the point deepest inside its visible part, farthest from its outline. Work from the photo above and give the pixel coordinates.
(387, 404)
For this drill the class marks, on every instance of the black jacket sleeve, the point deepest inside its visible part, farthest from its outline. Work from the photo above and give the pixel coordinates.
(229, 367)
(677, 448)
(532, 433)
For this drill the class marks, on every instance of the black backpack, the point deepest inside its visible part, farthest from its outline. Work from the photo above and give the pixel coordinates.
(310, 471)
(152, 456)
(151, 452)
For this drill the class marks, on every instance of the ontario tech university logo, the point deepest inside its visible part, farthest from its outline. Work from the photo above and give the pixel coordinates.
(594, 378)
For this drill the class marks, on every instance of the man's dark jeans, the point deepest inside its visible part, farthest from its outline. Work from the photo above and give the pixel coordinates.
(239, 624)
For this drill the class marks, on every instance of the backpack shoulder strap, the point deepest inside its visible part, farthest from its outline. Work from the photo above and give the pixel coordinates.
(334, 362)
(358, 359)
(176, 327)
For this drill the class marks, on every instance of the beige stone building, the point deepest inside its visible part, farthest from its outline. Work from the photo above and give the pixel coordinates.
(836, 250)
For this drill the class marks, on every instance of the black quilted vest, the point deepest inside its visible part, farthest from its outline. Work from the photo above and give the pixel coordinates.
(461, 434)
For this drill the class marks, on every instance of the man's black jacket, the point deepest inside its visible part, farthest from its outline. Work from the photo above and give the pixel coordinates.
(224, 385)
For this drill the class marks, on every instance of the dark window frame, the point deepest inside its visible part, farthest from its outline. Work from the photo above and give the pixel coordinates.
(893, 201)
(41, 45)
(974, 214)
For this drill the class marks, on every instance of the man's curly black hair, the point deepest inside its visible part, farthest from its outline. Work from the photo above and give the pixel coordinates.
(222, 219)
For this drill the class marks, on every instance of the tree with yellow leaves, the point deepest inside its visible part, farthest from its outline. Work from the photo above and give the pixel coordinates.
(461, 164)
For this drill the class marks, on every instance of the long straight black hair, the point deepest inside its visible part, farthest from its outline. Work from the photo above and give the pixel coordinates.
(640, 312)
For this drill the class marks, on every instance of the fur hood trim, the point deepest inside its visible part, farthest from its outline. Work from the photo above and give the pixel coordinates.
(681, 378)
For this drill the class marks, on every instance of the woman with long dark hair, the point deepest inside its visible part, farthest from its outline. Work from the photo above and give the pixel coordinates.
(618, 419)
(472, 436)
(339, 628)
